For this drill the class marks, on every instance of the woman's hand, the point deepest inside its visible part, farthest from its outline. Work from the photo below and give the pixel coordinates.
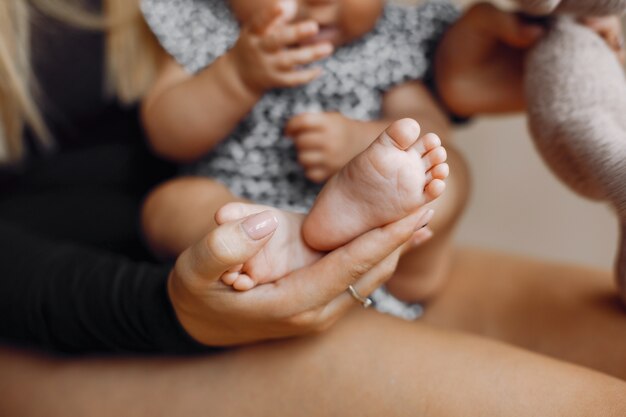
(270, 52)
(307, 300)
(479, 62)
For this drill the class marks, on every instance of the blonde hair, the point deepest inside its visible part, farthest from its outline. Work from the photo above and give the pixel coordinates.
(131, 62)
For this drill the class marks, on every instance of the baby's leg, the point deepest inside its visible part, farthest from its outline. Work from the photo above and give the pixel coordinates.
(181, 211)
(422, 272)
(396, 175)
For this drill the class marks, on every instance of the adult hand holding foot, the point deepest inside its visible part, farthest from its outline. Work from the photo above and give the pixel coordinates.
(307, 300)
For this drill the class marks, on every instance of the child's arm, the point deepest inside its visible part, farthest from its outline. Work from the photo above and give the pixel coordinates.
(327, 141)
(187, 115)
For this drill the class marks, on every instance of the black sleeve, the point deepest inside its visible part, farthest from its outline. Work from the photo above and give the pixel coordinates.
(72, 298)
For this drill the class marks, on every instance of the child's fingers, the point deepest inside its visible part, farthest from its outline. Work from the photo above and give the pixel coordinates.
(287, 35)
(317, 175)
(299, 77)
(311, 159)
(291, 58)
(308, 142)
(283, 11)
(303, 122)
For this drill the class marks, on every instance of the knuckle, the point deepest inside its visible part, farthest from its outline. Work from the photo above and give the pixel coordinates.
(220, 249)
(357, 270)
(283, 60)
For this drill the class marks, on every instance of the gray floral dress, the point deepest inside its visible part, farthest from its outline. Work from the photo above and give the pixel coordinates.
(257, 161)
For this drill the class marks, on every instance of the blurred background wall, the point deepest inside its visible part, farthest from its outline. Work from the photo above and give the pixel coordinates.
(518, 206)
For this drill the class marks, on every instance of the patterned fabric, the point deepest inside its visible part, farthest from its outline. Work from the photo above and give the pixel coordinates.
(257, 161)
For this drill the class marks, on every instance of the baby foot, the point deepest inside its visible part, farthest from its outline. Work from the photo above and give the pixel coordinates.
(393, 177)
(285, 252)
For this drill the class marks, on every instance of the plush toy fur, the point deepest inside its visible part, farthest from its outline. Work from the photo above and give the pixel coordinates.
(576, 92)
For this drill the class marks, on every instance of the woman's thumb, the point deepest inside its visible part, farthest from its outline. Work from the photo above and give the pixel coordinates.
(231, 244)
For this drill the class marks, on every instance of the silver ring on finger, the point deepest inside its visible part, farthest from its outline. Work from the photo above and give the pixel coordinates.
(366, 302)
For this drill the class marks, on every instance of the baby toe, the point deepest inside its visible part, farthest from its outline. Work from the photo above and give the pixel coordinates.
(439, 172)
(434, 189)
(434, 157)
(401, 134)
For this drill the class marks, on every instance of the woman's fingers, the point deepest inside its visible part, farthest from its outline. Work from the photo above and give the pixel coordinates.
(231, 244)
(313, 287)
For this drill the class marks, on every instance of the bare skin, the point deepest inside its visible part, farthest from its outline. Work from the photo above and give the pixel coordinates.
(400, 168)
(397, 174)
(406, 369)
(276, 40)
(423, 271)
(566, 312)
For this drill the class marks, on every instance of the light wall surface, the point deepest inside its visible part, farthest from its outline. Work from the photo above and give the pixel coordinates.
(518, 206)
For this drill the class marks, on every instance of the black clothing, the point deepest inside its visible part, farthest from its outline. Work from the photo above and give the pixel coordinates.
(74, 275)
(73, 298)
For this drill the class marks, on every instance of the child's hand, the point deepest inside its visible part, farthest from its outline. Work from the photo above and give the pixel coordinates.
(326, 142)
(269, 54)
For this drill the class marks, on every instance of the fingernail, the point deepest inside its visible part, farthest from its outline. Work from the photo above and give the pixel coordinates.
(260, 225)
(425, 219)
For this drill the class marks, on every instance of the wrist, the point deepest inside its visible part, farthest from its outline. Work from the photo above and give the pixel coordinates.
(243, 88)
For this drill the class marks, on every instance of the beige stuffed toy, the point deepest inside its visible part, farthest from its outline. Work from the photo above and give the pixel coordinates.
(576, 92)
